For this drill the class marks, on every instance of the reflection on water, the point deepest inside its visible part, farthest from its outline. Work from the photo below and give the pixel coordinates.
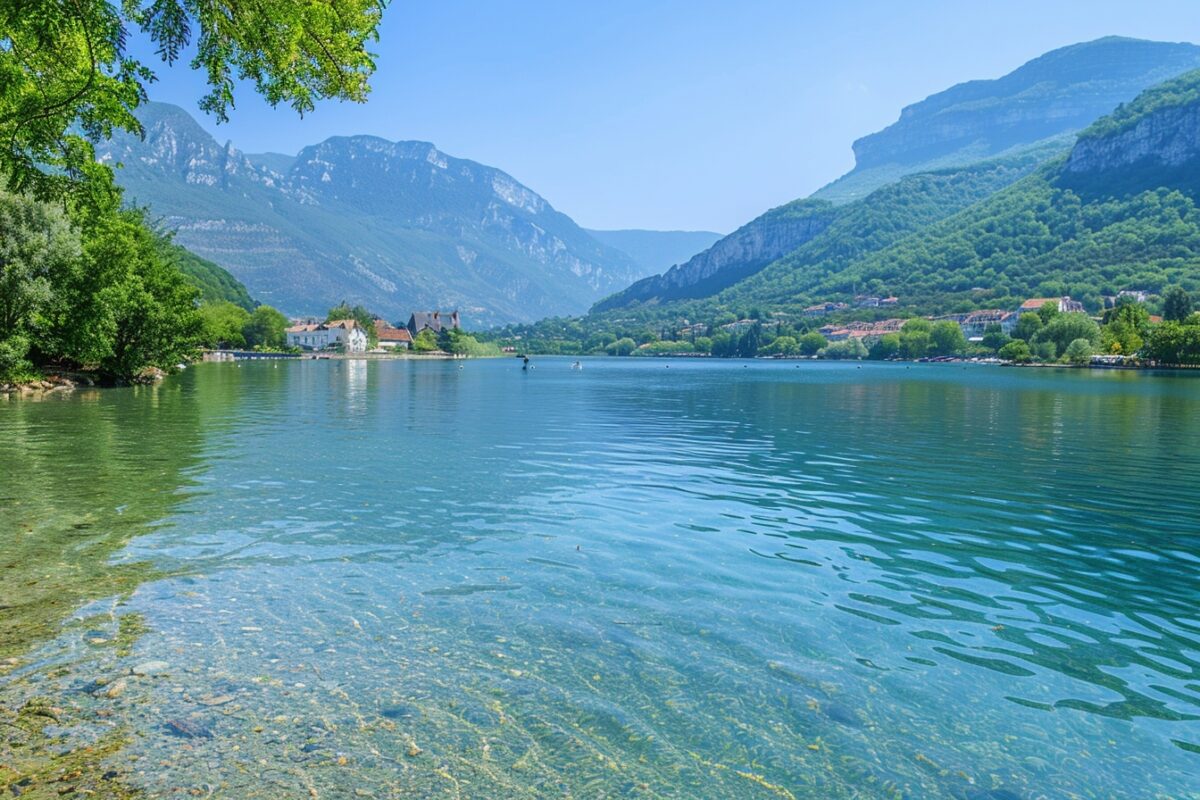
(397, 579)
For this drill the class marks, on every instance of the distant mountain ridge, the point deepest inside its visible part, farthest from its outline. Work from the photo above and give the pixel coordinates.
(1031, 113)
(392, 225)
(1060, 92)
(656, 251)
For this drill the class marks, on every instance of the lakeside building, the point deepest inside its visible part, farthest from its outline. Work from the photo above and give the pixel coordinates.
(392, 338)
(975, 323)
(868, 332)
(434, 321)
(1065, 305)
(821, 309)
(339, 333)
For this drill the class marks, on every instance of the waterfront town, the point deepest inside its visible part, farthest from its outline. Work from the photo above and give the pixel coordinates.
(349, 335)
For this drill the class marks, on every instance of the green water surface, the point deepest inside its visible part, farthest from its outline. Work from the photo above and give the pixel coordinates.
(647, 578)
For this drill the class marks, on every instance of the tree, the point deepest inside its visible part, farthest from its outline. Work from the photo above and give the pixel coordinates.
(221, 325)
(1066, 328)
(1175, 343)
(885, 347)
(1079, 352)
(622, 347)
(994, 337)
(747, 346)
(1027, 326)
(67, 74)
(811, 342)
(425, 342)
(38, 252)
(266, 329)
(782, 346)
(1177, 304)
(1048, 311)
(1016, 351)
(947, 338)
(723, 345)
(845, 349)
(146, 307)
(1124, 328)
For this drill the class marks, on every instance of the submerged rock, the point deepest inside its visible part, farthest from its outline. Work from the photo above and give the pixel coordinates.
(188, 729)
(151, 668)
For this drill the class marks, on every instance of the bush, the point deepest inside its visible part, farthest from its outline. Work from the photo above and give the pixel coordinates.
(621, 347)
(844, 350)
(1079, 352)
(1016, 351)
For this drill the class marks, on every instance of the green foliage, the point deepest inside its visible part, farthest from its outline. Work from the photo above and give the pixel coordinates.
(946, 339)
(1181, 91)
(885, 347)
(1175, 342)
(994, 337)
(1124, 329)
(1048, 311)
(1177, 304)
(782, 346)
(462, 344)
(40, 256)
(1045, 350)
(101, 293)
(1079, 352)
(215, 284)
(1016, 351)
(425, 342)
(1065, 329)
(845, 349)
(1028, 325)
(724, 345)
(266, 329)
(222, 324)
(622, 347)
(811, 343)
(664, 349)
(66, 75)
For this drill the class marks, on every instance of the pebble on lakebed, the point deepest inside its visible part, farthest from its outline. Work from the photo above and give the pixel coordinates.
(151, 668)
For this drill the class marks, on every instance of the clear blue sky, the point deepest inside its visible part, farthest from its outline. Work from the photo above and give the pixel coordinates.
(674, 115)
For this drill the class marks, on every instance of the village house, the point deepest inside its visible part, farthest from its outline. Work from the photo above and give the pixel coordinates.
(1065, 305)
(344, 334)
(821, 309)
(392, 338)
(975, 323)
(434, 321)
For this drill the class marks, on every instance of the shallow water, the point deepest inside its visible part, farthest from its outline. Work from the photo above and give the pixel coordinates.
(643, 579)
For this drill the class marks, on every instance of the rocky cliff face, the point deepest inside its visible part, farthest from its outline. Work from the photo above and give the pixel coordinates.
(1166, 138)
(393, 225)
(737, 256)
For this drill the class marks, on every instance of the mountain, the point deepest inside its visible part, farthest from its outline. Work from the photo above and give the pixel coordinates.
(734, 257)
(655, 251)
(392, 225)
(1030, 114)
(1058, 93)
(1117, 212)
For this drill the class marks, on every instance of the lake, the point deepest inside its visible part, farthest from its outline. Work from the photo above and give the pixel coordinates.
(645, 578)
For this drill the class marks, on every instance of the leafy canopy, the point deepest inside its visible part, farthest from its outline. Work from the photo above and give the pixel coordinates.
(67, 77)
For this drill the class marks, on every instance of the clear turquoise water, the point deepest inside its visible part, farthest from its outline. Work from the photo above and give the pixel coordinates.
(707, 579)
